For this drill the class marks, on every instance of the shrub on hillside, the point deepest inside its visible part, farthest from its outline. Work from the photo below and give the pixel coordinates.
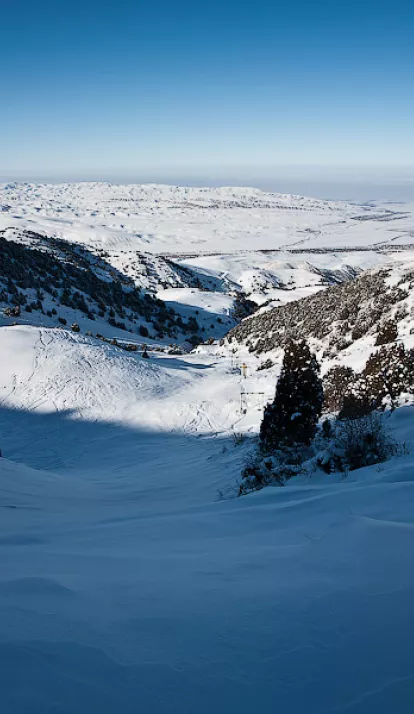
(267, 364)
(336, 316)
(364, 441)
(194, 340)
(387, 332)
(388, 373)
(273, 470)
(357, 438)
(336, 384)
(355, 405)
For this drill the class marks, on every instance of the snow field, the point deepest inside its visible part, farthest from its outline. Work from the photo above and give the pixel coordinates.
(126, 583)
(176, 219)
(131, 578)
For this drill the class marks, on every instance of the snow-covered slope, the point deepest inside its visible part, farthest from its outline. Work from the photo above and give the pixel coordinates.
(280, 276)
(341, 322)
(158, 218)
(225, 240)
(56, 282)
(131, 577)
(127, 582)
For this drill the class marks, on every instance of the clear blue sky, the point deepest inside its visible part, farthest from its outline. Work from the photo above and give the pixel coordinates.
(97, 89)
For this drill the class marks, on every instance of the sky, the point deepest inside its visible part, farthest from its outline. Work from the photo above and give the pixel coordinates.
(130, 90)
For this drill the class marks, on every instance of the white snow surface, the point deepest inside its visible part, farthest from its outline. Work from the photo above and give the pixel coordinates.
(132, 579)
(180, 220)
(271, 246)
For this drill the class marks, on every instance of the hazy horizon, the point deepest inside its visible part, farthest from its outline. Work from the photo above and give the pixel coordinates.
(336, 183)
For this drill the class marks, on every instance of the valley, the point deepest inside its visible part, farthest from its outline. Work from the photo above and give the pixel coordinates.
(133, 578)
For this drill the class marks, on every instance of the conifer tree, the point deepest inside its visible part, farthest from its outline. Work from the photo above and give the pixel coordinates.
(293, 415)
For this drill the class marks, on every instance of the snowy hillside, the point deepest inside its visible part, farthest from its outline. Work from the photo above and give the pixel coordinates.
(281, 276)
(342, 322)
(52, 282)
(132, 577)
(230, 242)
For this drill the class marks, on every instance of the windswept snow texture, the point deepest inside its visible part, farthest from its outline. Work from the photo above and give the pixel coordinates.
(132, 580)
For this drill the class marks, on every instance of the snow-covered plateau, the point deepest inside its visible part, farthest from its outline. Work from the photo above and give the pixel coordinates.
(133, 579)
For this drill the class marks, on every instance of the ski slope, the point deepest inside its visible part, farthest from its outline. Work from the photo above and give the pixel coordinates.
(131, 578)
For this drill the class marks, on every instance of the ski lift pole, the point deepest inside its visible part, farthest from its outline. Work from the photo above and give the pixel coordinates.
(243, 401)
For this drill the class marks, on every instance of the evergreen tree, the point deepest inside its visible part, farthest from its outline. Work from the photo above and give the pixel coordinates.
(293, 415)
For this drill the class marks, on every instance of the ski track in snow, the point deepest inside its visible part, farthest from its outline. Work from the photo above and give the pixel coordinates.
(126, 585)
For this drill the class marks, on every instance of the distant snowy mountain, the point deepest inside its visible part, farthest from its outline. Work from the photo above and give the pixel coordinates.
(179, 220)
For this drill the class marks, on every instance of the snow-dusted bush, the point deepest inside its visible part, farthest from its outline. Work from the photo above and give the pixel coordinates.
(363, 442)
(387, 332)
(256, 475)
(355, 404)
(267, 364)
(272, 470)
(358, 437)
(340, 445)
(388, 373)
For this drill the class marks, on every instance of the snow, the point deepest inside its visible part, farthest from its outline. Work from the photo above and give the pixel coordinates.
(272, 246)
(180, 220)
(128, 582)
(205, 306)
(280, 276)
(131, 577)
(216, 303)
